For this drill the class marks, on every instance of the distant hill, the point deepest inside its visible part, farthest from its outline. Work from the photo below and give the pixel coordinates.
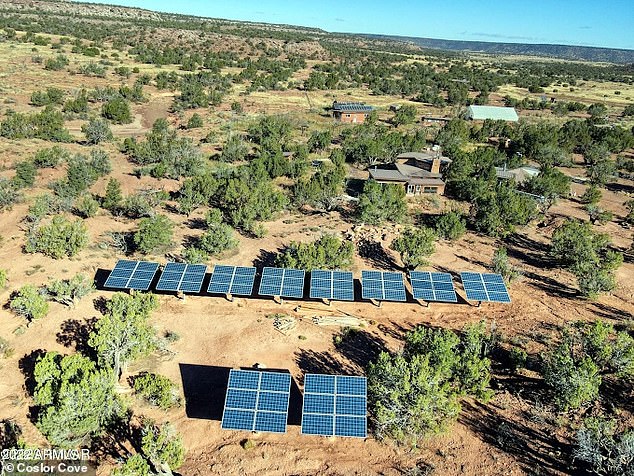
(585, 53)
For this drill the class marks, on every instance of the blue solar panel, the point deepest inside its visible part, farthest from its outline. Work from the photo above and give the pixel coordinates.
(236, 280)
(335, 406)
(256, 401)
(382, 286)
(485, 287)
(337, 285)
(132, 275)
(282, 282)
(428, 286)
(182, 277)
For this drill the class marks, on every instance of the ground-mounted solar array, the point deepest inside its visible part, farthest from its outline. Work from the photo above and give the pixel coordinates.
(428, 286)
(128, 274)
(485, 287)
(282, 282)
(183, 277)
(229, 280)
(336, 285)
(335, 405)
(256, 401)
(383, 286)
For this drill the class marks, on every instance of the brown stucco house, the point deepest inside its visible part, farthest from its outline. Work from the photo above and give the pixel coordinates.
(418, 172)
(351, 112)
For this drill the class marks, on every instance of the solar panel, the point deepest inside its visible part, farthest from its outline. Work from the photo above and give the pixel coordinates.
(382, 286)
(182, 277)
(236, 280)
(485, 287)
(282, 282)
(337, 285)
(256, 401)
(129, 274)
(334, 405)
(428, 286)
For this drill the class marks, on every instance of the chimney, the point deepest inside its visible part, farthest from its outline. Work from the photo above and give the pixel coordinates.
(435, 166)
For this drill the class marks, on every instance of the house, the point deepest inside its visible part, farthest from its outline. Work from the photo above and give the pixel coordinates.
(418, 172)
(351, 112)
(496, 113)
(519, 174)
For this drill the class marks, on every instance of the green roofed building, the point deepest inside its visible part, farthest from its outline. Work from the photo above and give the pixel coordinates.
(496, 113)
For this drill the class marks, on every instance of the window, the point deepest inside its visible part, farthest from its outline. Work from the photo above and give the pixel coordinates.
(430, 190)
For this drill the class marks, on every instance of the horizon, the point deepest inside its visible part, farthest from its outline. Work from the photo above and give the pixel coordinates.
(569, 23)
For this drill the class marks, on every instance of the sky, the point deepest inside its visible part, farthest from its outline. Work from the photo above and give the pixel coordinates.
(606, 23)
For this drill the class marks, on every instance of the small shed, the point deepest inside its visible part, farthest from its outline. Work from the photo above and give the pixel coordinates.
(354, 112)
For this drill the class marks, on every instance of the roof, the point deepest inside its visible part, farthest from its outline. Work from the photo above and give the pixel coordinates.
(406, 174)
(424, 157)
(480, 113)
(410, 171)
(351, 107)
(520, 174)
(387, 175)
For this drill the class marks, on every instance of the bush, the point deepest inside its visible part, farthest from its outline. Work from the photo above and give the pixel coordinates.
(194, 255)
(451, 226)
(3, 278)
(117, 110)
(69, 291)
(157, 389)
(113, 199)
(50, 157)
(502, 266)
(154, 233)
(162, 446)
(591, 196)
(46, 125)
(9, 194)
(25, 173)
(56, 64)
(195, 122)
(234, 150)
(328, 252)
(135, 465)
(45, 98)
(29, 302)
(86, 206)
(97, 131)
(59, 238)
(379, 203)
(415, 245)
(517, 358)
(603, 449)
(218, 237)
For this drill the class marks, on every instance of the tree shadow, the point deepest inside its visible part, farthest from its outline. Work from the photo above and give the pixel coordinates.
(314, 362)
(112, 443)
(27, 366)
(394, 330)
(610, 312)
(617, 394)
(265, 259)
(77, 333)
(101, 305)
(196, 223)
(551, 286)
(204, 389)
(359, 347)
(354, 186)
(529, 251)
(377, 256)
(533, 448)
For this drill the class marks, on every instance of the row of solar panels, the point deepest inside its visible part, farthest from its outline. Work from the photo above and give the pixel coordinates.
(324, 284)
(334, 405)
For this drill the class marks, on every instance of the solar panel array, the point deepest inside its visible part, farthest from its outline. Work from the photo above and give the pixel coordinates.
(428, 286)
(256, 401)
(282, 282)
(382, 286)
(485, 287)
(334, 405)
(132, 275)
(337, 285)
(236, 280)
(182, 277)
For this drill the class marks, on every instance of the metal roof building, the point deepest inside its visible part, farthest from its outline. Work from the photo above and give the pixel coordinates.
(496, 113)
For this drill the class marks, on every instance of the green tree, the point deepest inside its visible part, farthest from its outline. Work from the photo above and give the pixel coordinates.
(327, 252)
(195, 122)
(322, 189)
(157, 389)
(69, 291)
(135, 465)
(378, 203)
(592, 195)
(234, 150)
(162, 446)
(29, 302)
(117, 110)
(97, 131)
(629, 218)
(319, 140)
(406, 114)
(601, 172)
(603, 448)
(57, 239)
(219, 236)
(76, 401)
(50, 157)
(502, 266)
(154, 233)
(86, 206)
(450, 225)
(574, 380)
(124, 334)
(415, 245)
(113, 199)
(550, 184)
(25, 174)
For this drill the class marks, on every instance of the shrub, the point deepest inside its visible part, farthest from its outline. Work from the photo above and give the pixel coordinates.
(97, 131)
(25, 173)
(9, 194)
(517, 358)
(157, 389)
(219, 237)
(194, 255)
(29, 302)
(195, 122)
(59, 238)
(414, 246)
(117, 110)
(69, 291)
(154, 233)
(162, 446)
(135, 465)
(234, 150)
(3, 278)
(113, 199)
(328, 252)
(603, 449)
(50, 157)
(502, 266)
(450, 226)
(379, 203)
(86, 206)
(56, 64)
